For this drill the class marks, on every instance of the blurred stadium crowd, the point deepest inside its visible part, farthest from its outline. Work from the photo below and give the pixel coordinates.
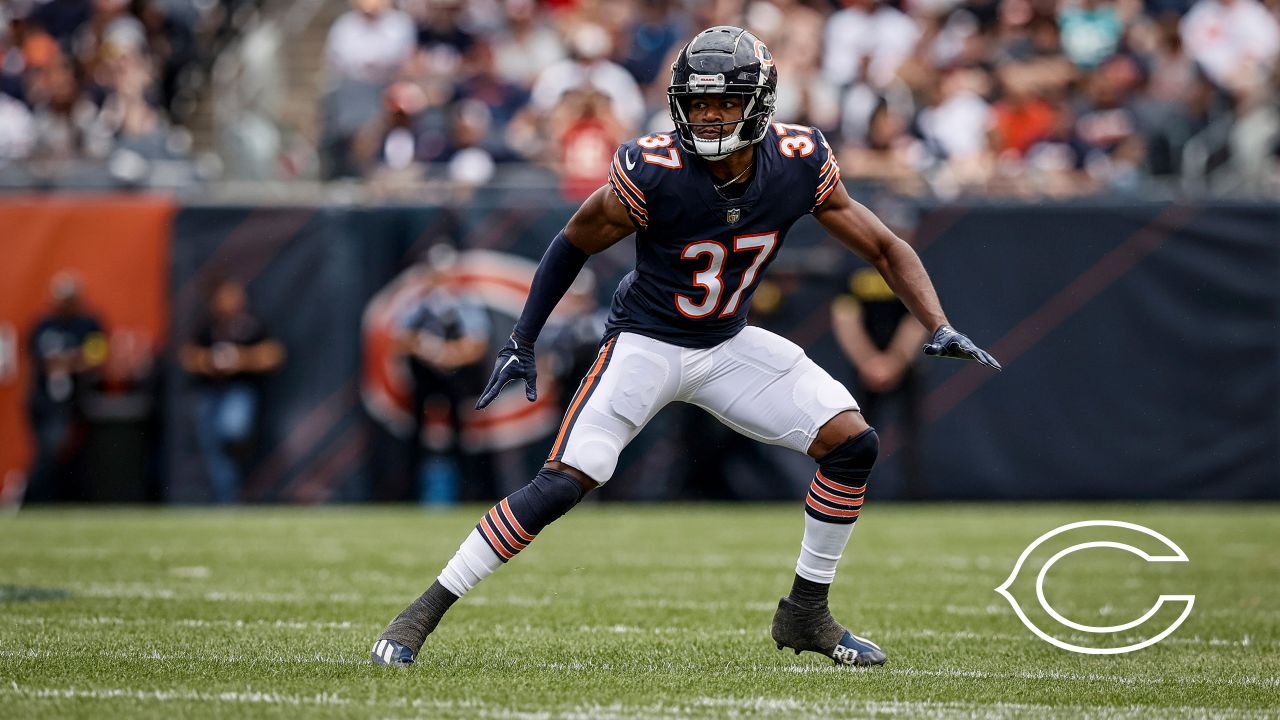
(928, 97)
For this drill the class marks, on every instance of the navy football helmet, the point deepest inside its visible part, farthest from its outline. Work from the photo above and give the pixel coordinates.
(723, 60)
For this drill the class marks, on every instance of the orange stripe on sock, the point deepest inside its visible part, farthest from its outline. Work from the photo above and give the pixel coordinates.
(839, 486)
(494, 542)
(828, 510)
(502, 529)
(850, 502)
(506, 511)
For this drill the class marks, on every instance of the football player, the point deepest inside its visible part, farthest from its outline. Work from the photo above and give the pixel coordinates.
(710, 204)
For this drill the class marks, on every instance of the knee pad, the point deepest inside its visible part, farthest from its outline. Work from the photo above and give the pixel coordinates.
(852, 460)
(517, 519)
(836, 493)
(551, 494)
(595, 456)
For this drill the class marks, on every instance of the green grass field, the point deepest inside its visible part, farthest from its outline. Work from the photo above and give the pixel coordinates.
(635, 612)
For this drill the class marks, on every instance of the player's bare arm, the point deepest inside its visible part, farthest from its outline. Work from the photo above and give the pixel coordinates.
(862, 232)
(600, 223)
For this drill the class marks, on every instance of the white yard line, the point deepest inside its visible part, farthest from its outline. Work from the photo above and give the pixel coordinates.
(731, 707)
(172, 695)
(194, 622)
(1246, 641)
(1246, 681)
(668, 666)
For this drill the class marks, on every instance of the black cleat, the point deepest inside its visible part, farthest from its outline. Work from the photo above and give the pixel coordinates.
(390, 652)
(817, 631)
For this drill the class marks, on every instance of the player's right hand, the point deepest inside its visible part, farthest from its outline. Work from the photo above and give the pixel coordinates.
(515, 360)
(949, 342)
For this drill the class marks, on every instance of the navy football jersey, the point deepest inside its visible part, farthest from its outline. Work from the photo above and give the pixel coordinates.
(700, 256)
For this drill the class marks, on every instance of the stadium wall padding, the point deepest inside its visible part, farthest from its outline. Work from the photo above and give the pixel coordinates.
(117, 247)
(1140, 342)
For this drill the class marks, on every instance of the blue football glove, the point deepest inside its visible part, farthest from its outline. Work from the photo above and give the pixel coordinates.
(515, 360)
(947, 342)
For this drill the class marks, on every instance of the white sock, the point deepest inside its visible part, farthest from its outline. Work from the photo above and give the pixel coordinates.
(473, 562)
(821, 548)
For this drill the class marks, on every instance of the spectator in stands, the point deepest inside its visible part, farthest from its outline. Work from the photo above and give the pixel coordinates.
(1254, 141)
(589, 67)
(62, 19)
(227, 359)
(955, 126)
(807, 98)
(648, 41)
(441, 33)
(888, 153)
(1106, 129)
(58, 55)
(171, 42)
(110, 29)
(17, 127)
(68, 347)
(130, 111)
(1235, 41)
(585, 134)
(503, 99)
(415, 132)
(369, 42)
(867, 41)
(1091, 31)
(68, 123)
(391, 139)
(1021, 117)
(11, 59)
(527, 45)
(470, 159)
(1200, 106)
(364, 53)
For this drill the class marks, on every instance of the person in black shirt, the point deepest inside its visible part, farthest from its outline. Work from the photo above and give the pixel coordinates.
(68, 346)
(881, 338)
(444, 336)
(227, 357)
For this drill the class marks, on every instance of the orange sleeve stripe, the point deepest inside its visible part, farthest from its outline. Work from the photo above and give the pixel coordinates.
(585, 390)
(618, 165)
(506, 511)
(827, 180)
(619, 181)
(635, 209)
(824, 195)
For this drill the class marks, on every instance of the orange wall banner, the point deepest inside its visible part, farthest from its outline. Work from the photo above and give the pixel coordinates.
(118, 248)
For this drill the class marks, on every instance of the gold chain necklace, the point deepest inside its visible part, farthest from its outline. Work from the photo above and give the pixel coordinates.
(722, 186)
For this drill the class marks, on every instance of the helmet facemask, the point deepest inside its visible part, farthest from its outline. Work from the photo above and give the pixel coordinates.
(757, 108)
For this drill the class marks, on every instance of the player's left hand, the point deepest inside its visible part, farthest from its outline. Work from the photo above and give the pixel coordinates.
(950, 343)
(515, 360)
